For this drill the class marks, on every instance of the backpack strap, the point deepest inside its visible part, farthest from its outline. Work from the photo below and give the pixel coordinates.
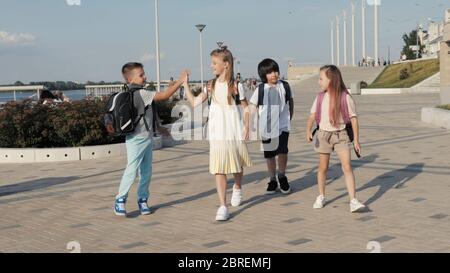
(344, 107)
(133, 89)
(209, 93)
(261, 94)
(319, 107)
(237, 98)
(154, 120)
(287, 89)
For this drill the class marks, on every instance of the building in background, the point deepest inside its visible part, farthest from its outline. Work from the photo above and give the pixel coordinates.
(433, 37)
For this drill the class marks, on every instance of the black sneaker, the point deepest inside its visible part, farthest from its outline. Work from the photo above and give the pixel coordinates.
(272, 187)
(284, 184)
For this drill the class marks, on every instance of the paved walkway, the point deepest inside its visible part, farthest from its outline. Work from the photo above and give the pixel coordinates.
(403, 178)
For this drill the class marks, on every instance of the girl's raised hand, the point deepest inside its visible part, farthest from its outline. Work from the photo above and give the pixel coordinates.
(209, 86)
(184, 76)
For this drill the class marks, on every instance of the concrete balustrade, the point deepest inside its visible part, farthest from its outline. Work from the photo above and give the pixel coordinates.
(32, 155)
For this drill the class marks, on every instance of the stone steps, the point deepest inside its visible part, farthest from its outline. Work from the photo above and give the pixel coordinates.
(430, 85)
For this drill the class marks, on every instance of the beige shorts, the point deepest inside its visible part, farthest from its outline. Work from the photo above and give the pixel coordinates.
(327, 142)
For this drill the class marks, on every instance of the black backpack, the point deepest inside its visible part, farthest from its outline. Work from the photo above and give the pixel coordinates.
(125, 110)
(286, 86)
(237, 98)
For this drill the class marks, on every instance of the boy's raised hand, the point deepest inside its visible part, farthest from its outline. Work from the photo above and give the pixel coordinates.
(184, 76)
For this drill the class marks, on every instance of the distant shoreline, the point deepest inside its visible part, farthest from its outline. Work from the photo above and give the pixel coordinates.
(73, 95)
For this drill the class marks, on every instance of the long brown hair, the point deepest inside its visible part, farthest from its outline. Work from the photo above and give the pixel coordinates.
(335, 91)
(227, 57)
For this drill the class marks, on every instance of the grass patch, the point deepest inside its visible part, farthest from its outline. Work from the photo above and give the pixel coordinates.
(406, 75)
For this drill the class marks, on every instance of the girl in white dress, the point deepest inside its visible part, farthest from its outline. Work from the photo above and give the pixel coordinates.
(227, 133)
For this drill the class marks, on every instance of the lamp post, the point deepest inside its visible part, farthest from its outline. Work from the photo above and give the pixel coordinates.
(353, 32)
(158, 67)
(344, 15)
(363, 27)
(200, 29)
(338, 49)
(377, 3)
(238, 62)
(332, 41)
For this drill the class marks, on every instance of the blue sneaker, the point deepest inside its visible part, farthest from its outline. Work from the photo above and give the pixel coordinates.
(143, 207)
(119, 207)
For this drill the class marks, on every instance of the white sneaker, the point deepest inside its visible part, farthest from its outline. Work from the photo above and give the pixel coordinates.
(222, 214)
(356, 206)
(236, 197)
(320, 202)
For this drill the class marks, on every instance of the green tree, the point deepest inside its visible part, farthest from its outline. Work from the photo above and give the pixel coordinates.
(411, 40)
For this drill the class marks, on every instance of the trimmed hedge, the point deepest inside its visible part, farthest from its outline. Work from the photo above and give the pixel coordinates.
(30, 125)
(445, 107)
(27, 124)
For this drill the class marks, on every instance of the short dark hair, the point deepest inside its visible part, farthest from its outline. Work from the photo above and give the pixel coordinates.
(126, 68)
(46, 94)
(267, 66)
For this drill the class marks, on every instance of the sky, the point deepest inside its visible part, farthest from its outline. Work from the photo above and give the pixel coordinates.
(49, 40)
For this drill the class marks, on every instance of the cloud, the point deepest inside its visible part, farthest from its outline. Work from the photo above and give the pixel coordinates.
(151, 57)
(16, 39)
(73, 2)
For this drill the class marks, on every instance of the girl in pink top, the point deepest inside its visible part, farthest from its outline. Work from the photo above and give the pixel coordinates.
(334, 112)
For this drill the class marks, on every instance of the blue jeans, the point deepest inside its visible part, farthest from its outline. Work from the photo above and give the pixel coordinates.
(139, 156)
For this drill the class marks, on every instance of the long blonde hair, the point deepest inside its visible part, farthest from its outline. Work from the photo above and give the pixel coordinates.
(335, 91)
(227, 57)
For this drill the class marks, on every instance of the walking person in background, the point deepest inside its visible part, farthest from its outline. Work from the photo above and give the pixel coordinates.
(47, 98)
(61, 97)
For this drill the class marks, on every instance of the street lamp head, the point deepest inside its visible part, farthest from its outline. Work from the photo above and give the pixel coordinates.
(220, 44)
(200, 27)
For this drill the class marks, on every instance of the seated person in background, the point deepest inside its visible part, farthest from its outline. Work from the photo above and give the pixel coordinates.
(61, 97)
(47, 97)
